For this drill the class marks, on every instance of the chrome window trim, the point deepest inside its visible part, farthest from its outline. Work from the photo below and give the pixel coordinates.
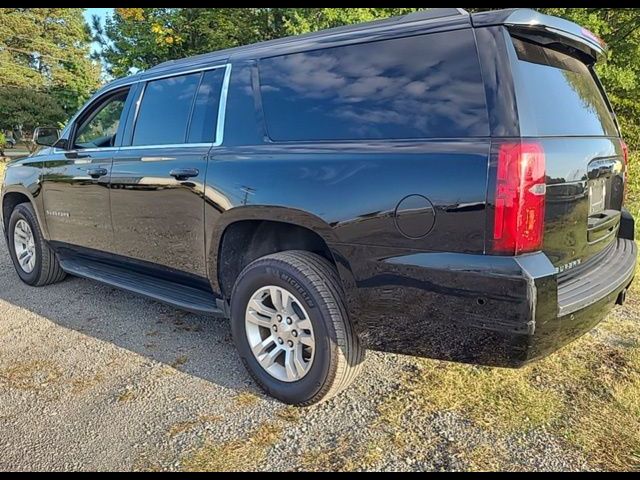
(168, 145)
(222, 109)
(167, 75)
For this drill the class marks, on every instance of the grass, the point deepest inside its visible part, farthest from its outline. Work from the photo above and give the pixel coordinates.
(239, 455)
(32, 375)
(182, 427)
(126, 396)
(343, 457)
(587, 395)
(246, 399)
(244, 455)
(81, 384)
(188, 425)
(633, 189)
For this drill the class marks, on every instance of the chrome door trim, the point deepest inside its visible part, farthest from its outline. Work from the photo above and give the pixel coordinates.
(222, 108)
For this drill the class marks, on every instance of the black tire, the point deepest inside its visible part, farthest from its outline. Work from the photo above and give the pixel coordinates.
(47, 270)
(314, 281)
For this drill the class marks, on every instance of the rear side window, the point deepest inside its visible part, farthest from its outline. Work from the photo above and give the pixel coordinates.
(165, 109)
(558, 95)
(426, 86)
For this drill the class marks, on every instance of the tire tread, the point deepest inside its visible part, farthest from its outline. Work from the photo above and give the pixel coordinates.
(50, 270)
(349, 351)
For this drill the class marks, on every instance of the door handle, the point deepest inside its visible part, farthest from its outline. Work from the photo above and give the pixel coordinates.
(184, 173)
(97, 172)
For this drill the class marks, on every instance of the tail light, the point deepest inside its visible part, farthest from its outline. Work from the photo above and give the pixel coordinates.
(519, 198)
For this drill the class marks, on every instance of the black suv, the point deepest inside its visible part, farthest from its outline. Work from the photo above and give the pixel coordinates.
(440, 184)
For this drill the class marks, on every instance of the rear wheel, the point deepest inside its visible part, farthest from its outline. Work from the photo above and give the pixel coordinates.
(34, 261)
(291, 328)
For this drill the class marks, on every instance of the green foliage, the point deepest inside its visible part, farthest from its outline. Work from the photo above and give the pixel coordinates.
(24, 109)
(45, 69)
(620, 29)
(47, 49)
(138, 38)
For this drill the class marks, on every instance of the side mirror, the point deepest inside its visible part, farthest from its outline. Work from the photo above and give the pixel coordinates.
(46, 136)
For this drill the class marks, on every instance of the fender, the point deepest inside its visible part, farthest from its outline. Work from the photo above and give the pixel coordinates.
(23, 177)
(215, 230)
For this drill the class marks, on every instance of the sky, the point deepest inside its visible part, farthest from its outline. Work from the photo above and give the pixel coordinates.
(102, 13)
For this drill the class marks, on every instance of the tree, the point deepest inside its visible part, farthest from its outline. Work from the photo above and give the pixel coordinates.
(620, 74)
(138, 38)
(23, 109)
(45, 69)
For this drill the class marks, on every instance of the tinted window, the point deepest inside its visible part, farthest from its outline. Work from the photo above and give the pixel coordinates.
(99, 129)
(205, 110)
(558, 94)
(164, 111)
(420, 87)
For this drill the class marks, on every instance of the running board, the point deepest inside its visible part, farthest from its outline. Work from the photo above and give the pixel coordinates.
(175, 294)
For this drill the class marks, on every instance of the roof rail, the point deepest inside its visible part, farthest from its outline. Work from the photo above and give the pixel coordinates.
(433, 13)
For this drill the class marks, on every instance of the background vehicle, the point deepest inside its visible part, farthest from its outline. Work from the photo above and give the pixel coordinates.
(437, 184)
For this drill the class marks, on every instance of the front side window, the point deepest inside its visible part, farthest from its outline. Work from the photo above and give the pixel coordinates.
(427, 86)
(100, 128)
(164, 112)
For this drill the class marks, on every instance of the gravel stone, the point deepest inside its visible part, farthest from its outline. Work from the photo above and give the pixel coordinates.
(87, 382)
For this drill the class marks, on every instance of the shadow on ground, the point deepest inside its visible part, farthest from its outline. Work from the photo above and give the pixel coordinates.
(197, 345)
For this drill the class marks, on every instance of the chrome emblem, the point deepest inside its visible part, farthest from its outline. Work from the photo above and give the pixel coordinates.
(568, 266)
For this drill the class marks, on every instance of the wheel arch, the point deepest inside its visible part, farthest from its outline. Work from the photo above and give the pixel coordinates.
(248, 224)
(15, 195)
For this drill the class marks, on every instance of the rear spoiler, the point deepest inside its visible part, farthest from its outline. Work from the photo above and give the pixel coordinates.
(546, 30)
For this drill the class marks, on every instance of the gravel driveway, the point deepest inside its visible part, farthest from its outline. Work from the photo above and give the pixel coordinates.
(92, 378)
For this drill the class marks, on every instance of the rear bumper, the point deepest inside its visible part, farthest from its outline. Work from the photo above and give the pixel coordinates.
(585, 297)
(481, 309)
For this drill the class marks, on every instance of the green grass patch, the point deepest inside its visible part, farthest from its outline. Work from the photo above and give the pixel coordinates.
(244, 455)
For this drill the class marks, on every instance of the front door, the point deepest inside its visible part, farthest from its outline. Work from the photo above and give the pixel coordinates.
(75, 180)
(157, 179)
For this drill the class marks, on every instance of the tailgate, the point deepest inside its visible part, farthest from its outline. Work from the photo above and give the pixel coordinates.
(562, 105)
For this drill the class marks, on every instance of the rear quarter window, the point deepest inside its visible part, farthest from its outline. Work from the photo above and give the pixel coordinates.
(558, 95)
(426, 86)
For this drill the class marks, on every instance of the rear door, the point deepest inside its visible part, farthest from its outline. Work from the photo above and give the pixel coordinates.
(562, 106)
(157, 180)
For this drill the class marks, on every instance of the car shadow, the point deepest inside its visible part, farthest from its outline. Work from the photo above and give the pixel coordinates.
(196, 345)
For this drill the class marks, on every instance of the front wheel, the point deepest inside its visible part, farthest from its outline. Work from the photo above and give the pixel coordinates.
(35, 262)
(291, 327)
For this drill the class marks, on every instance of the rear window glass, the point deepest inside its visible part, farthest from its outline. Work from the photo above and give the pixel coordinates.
(426, 86)
(165, 109)
(558, 95)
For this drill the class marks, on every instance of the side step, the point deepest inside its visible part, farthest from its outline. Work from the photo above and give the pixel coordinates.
(175, 294)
